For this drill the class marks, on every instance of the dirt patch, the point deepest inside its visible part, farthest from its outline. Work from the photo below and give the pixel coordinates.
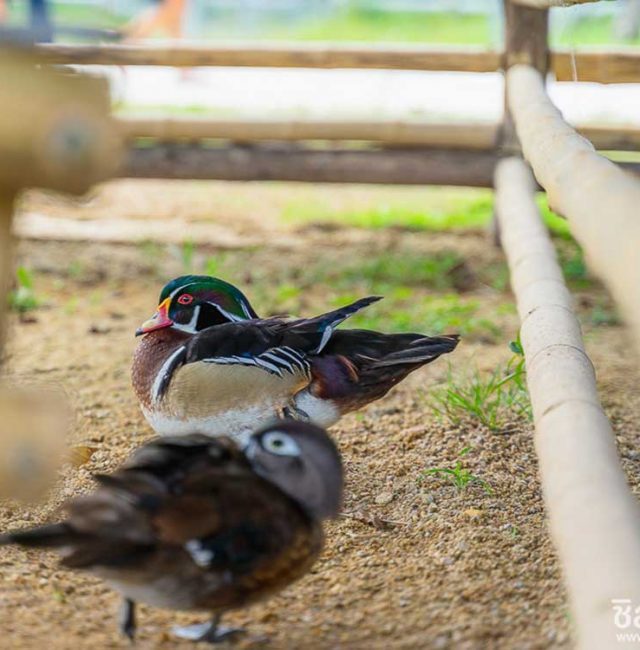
(413, 563)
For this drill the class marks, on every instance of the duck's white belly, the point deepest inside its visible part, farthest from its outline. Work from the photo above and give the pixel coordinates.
(235, 422)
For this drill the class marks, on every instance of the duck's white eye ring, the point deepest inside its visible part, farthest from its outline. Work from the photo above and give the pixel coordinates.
(279, 443)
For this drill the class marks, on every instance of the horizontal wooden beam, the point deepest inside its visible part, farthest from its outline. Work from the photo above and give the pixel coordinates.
(593, 516)
(291, 163)
(599, 200)
(607, 137)
(288, 162)
(278, 55)
(480, 136)
(611, 65)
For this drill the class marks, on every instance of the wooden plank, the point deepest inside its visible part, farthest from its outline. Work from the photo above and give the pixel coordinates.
(607, 137)
(598, 198)
(291, 163)
(593, 517)
(446, 135)
(603, 65)
(278, 55)
(440, 135)
(613, 65)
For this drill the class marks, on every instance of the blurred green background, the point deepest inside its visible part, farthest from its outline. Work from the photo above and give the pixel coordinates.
(473, 22)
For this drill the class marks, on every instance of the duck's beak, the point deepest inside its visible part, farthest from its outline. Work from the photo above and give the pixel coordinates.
(158, 321)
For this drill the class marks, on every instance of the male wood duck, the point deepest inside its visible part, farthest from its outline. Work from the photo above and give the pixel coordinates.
(207, 362)
(198, 523)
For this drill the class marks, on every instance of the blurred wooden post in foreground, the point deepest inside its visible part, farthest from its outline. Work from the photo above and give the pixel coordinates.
(6, 210)
(55, 133)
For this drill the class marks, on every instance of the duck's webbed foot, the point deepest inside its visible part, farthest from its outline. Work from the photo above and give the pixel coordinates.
(211, 632)
(127, 620)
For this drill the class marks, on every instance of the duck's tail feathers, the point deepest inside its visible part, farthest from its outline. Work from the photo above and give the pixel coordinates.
(420, 351)
(48, 536)
(326, 323)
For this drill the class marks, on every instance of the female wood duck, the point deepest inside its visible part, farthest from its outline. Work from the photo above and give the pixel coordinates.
(208, 363)
(198, 523)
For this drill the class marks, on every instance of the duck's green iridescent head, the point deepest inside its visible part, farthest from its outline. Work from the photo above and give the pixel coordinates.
(194, 302)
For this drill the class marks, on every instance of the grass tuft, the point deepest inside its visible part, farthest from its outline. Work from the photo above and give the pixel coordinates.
(491, 399)
(23, 298)
(460, 477)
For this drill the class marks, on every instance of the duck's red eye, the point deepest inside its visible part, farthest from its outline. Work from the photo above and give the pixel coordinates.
(185, 299)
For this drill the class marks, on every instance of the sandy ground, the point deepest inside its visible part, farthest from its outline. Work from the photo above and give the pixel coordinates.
(411, 564)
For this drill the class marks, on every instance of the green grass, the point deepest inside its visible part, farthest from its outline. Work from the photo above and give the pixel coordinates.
(588, 31)
(23, 297)
(448, 313)
(492, 399)
(603, 315)
(429, 271)
(186, 254)
(68, 14)
(431, 209)
(434, 209)
(381, 26)
(574, 267)
(347, 24)
(460, 477)
(353, 24)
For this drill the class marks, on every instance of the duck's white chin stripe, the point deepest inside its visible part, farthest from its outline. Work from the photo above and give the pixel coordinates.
(161, 377)
(189, 327)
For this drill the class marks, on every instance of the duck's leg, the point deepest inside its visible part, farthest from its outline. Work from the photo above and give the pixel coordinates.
(212, 632)
(128, 618)
(291, 411)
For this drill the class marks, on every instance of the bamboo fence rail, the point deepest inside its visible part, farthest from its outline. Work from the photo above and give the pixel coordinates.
(594, 518)
(598, 198)
(481, 136)
(279, 55)
(613, 65)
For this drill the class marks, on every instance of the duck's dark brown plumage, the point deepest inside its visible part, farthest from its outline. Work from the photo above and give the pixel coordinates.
(148, 358)
(195, 523)
(361, 366)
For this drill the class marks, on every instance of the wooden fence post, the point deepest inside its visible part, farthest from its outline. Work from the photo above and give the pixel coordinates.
(525, 41)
